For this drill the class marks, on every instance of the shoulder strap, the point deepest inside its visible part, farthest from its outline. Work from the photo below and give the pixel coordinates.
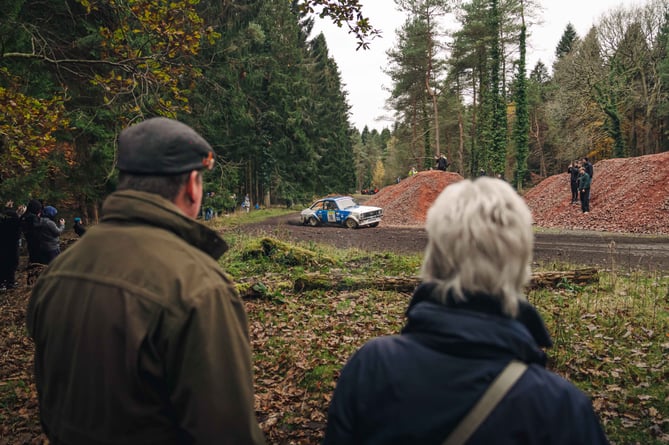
(495, 393)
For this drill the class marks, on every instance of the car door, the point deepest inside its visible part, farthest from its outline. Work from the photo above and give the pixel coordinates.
(330, 212)
(320, 211)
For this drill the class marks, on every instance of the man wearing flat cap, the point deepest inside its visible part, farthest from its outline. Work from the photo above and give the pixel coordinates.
(140, 337)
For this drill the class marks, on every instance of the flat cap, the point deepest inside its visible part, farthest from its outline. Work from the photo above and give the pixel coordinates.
(162, 146)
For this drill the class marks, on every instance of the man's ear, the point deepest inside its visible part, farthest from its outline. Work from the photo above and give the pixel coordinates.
(191, 185)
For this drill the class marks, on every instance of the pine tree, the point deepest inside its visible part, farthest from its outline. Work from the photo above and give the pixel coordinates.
(566, 43)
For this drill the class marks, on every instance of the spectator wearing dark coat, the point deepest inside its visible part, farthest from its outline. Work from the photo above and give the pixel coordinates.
(584, 181)
(49, 234)
(587, 165)
(79, 227)
(573, 171)
(466, 321)
(442, 163)
(10, 233)
(30, 227)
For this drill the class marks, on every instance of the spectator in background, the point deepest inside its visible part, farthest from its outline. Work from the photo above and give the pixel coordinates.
(140, 337)
(10, 234)
(573, 171)
(49, 234)
(30, 227)
(590, 170)
(78, 227)
(466, 322)
(246, 204)
(209, 206)
(584, 189)
(587, 165)
(442, 163)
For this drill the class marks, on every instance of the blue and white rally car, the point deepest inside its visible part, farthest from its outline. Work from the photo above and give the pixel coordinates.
(341, 210)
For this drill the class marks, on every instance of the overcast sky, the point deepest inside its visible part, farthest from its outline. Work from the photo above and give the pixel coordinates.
(362, 71)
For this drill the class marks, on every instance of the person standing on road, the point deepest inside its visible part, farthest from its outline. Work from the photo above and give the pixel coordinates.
(140, 337)
(584, 189)
(466, 322)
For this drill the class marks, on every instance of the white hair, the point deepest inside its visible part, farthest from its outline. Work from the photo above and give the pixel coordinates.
(480, 241)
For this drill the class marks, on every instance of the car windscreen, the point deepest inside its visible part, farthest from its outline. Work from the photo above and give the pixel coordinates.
(346, 203)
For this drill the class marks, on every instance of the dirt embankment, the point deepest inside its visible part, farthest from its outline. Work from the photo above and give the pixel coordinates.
(629, 195)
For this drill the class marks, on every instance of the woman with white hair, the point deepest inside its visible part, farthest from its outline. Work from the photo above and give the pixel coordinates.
(466, 322)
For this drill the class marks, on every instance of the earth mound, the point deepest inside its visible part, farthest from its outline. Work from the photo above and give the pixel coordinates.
(406, 203)
(627, 195)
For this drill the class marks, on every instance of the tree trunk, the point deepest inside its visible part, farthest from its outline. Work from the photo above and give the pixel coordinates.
(340, 282)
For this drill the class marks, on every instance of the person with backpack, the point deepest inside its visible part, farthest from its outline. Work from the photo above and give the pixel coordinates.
(469, 327)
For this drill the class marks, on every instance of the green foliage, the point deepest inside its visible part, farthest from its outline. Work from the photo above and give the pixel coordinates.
(497, 124)
(609, 338)
(567, 41)
(522, 124)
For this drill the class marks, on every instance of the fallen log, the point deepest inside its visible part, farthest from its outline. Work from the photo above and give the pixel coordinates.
(553, 279)
(260, 287)
(315, 281)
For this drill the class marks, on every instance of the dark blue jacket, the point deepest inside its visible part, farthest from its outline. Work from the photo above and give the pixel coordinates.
(414, 388)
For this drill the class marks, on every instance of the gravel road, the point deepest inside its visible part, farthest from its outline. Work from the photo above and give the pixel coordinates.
(599, 249)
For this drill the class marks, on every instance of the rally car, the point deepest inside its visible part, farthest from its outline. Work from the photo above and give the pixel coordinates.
(341, 210)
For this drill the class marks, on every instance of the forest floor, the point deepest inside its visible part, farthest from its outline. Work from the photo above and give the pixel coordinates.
(628, 227)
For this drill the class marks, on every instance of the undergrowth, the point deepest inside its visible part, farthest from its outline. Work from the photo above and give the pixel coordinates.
(611, 337)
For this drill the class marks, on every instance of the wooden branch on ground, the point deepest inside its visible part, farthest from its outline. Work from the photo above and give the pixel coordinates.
(340, 282)
(552, 279)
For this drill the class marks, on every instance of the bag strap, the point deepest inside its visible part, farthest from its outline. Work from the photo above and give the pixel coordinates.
(493, 395)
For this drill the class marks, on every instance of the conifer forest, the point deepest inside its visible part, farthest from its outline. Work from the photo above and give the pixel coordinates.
(255, 81)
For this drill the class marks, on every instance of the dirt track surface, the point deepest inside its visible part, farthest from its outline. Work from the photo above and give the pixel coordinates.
(600, 249)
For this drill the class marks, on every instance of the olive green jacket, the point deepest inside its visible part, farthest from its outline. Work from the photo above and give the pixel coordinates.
(140, 337)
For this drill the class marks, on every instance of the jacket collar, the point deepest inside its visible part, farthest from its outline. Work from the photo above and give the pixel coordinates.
(130, 206)
(477, 326)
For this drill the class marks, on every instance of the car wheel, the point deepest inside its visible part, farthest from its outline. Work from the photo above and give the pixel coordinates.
(351, 223)
(313, 222)
(374, 224)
